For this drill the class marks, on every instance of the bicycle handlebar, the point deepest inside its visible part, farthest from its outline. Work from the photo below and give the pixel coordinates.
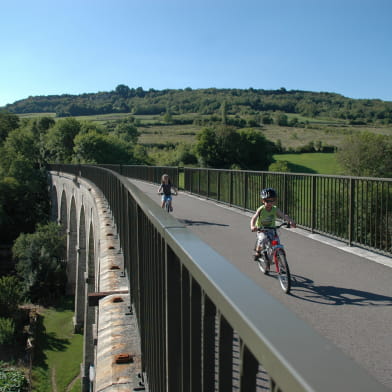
(274, 227)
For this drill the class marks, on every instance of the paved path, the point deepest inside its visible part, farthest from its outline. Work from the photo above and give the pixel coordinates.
(343, 293)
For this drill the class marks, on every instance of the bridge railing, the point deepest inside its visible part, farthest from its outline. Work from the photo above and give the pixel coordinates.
(357, 210)
(204, 326)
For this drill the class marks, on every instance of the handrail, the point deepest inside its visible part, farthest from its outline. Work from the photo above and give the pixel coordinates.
(196, 310)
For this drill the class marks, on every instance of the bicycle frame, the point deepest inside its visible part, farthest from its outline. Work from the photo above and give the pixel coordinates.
(274, 252)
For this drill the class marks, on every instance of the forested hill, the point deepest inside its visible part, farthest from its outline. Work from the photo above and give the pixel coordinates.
(208, 102)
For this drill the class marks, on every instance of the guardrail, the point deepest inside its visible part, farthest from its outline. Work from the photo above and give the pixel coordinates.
(357, 210)
(205, 326)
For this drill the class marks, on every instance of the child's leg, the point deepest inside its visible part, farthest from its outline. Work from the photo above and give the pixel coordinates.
(261, 238)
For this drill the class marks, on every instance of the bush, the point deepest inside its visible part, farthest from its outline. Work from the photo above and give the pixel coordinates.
(7, 331)
(12, 380)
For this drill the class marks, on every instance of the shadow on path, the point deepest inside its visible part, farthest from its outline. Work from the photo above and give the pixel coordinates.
(189, 222)
(305, 289)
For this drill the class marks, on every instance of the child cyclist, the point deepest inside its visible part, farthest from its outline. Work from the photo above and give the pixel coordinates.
(166, 190)
(265, 217)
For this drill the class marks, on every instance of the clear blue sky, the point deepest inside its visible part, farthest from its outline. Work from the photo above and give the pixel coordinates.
(79, 46)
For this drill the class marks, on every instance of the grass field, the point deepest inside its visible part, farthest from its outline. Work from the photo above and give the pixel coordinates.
(59, 351)
(318, 163)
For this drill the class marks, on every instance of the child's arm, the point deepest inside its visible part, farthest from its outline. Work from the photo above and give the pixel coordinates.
(160, 189)
(285, 217)
(253, 220)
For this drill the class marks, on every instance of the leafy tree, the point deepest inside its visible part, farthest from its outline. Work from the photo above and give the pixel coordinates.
(60, 140)
(98, 148)
(127, 132)
(11, 295)
(40, 264)
(366, 154)
(8, 122)
(123, 90)
(24, 197)
(224, 146)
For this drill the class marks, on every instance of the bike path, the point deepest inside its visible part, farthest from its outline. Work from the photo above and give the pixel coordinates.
(345, 296)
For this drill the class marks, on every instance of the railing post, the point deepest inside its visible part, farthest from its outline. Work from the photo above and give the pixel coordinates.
(351, 212)
(208, 183)
(245, 190)
(231, 188)
(313, 203)
(218, 186)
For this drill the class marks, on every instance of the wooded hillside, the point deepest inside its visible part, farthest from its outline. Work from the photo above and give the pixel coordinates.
(211, 101)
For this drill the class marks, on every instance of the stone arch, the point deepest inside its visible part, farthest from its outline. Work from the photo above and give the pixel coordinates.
(88, 349)
(63, 212)
(54, 204)
(80, 298)
(64, 217)
(72, 248)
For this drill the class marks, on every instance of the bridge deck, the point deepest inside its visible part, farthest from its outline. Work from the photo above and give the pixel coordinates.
(345, 296)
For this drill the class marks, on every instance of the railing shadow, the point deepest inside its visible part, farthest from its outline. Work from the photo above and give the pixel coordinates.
(189, 222)
(306, 290)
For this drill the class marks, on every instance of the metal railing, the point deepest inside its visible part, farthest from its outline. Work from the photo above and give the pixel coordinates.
(357, 210)
(205, 326)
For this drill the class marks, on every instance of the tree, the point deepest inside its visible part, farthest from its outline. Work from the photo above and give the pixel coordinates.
(8, 122)
(60, 140)
(123, 90)
(93, 148)
(24, 196)
(223, 147)
(40, 263)
(11, 295)
(366, 154)
(254, 151)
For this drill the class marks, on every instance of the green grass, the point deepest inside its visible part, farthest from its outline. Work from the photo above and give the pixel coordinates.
(59, 350)
(318, 163)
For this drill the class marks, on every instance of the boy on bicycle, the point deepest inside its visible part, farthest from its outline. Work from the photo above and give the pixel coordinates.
(166, 190)
(265, 217)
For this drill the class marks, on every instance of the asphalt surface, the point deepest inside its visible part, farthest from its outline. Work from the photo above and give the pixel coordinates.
(343, 293)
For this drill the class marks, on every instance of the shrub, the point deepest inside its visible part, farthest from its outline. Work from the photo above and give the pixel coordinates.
(12, 380)
(7, 331)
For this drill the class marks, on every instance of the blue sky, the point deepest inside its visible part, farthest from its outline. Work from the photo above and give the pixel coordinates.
(79, 46)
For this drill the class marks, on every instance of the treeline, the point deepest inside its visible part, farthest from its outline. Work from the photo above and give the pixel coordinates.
(240, 102)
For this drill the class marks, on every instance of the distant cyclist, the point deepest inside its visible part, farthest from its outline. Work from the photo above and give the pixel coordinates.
(265, 217)
(165, 189)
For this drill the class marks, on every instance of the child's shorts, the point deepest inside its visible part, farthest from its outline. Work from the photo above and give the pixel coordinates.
(263, 237)
(166, 198)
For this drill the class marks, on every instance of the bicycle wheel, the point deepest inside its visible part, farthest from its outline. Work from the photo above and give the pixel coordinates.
(283, 271)
(167, 206)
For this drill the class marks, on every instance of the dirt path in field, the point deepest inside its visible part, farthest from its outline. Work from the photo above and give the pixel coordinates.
(72, 383)
(53, 379)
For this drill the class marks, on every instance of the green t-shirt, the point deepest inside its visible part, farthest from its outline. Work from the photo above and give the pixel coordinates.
(266, 218)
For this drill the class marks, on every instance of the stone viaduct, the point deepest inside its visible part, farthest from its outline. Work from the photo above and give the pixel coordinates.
(96, 277)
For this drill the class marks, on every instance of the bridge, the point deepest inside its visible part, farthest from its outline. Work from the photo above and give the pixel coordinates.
(173, 303)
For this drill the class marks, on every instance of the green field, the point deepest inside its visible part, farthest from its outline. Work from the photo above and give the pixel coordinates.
(318, 163)
(58, 353)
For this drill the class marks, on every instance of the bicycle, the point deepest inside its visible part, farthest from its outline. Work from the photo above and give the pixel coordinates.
(274, 252)
(167, 203)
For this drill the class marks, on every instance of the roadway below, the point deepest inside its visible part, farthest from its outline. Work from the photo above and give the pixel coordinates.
(344, 293)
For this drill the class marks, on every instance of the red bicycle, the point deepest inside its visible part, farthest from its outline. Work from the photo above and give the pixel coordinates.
(274, 253)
